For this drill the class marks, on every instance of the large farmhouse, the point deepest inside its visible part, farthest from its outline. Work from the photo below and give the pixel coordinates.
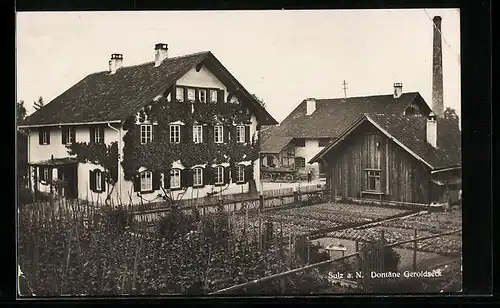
(182, 126)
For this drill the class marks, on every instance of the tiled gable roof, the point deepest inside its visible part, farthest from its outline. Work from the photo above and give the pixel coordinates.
(104, 97)
(411, 132)
(333, 116)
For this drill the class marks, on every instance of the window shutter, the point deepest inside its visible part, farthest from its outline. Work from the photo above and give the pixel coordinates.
(156, 180)
(64, 135)
(92, 180)
(50, 173)
(40, 136)
(101, 134)
(186, 178)
(156, 132)
(137, 183)
(225, 133)
(103, 181)
(186, 132)
(196, 95)
(248, 173)
(247, 134)
(48, 135)
(226, 175)
(234, 173)
(208, 177)
(220, 96)
(173, 93)
(92, 134)
(166, 179)
(206, 133)
(185, 94)
(73, 134)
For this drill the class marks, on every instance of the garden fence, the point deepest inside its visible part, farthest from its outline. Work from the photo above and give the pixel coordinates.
(334, 267)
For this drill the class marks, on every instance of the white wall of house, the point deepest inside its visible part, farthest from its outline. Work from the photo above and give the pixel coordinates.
(203, 79)
(57, 149)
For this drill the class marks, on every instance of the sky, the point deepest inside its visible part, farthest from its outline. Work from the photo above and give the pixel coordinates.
(281, 56)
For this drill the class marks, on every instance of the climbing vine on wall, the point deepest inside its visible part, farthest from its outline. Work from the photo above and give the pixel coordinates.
(161, 153)
(99, 154)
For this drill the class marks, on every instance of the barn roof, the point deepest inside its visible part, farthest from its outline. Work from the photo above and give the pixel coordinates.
(410, 133)
(105, 97)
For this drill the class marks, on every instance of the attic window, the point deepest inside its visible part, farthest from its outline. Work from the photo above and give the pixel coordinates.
(213, 96)
(179, 94)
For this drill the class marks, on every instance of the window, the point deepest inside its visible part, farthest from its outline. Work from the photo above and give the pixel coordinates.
(323, 142)
(197, 134)
(373, 180)
(202, 95)
(300, 162)
(98, 135)
(241, 174)
(218, 136)
(179, 94)
(44, 174)
(198, 177)
(44, 136)
(191, 94)
(240, 134)
(146, 181)
(98, 180)
(175, 133)
(146, 133)
(68, 135)
(300, 142)
(213, 96)
(219, 175)
(175, 178)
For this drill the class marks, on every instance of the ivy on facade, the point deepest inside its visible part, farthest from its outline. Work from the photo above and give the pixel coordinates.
(159, 154)
(99, 154)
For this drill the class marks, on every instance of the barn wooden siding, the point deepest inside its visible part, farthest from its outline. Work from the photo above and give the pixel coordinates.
(403, 178)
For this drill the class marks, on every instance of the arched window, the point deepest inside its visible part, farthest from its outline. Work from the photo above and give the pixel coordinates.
(146, 181)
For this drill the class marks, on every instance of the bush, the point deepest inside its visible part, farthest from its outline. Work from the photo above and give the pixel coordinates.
(175, 224)
(315, 256)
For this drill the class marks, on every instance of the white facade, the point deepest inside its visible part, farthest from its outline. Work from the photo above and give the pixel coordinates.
(123, 191)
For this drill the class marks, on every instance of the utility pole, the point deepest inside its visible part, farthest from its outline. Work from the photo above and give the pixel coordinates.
(344, 86)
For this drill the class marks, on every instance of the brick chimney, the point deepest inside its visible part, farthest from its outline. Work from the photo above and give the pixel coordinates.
(311, 106)
(398, 89)
(115, 63)
(431, 130)
(161, 53)
(437, 70)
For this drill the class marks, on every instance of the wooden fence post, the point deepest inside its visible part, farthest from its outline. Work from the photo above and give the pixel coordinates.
(415, 250)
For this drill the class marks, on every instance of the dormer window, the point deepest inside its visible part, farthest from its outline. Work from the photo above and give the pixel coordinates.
(179, 94)
(202, 95)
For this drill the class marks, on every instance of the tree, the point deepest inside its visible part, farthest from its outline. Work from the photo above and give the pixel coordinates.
(451, 114)
(20, 111)
(260, 100)
(39, 104)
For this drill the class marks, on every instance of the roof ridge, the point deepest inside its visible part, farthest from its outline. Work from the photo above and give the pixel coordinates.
(364, 96)
(151, 62)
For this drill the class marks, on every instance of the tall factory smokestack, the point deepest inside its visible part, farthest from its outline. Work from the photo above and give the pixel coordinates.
(437, 70)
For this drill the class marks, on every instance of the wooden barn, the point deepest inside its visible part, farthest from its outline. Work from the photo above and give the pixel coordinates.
(396, 158)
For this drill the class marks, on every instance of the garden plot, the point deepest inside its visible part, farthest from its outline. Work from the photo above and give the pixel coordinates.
(319, 217)
(402, 229)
